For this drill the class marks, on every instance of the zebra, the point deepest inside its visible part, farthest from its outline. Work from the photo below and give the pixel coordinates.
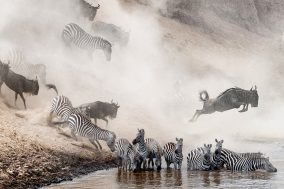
(200, 158)
(236, 162)
(154, 151)
(19, 65)
(173, 153)
(125, 153)
(73, 33)
(229, 99)
(82, 126)
(141, 148)
(216, 158)
(62, 107)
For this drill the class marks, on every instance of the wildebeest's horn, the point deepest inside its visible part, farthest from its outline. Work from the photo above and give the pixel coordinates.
(251, 88)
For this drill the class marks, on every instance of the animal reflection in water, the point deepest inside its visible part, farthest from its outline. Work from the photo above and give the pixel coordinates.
(229, 99)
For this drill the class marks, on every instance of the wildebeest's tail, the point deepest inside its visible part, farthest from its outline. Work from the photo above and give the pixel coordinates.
(203, 95)
(52, 86)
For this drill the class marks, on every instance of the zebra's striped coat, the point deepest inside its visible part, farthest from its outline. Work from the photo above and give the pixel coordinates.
(200, 158)
(126, 153)
(73, 33)
(173, 153)
(155, 151)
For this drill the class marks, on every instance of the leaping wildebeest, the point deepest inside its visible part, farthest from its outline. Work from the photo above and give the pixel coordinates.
(230, 99)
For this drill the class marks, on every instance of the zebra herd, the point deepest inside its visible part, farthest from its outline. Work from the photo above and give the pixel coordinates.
(141, 153)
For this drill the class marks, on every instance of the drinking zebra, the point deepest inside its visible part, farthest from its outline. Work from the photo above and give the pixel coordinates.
(154, 152)
(72, 33)
(200, 158)
(216, 158)
(125, 153)
(235, 162)
(229, 99)
(173, 153)
(82, 126)
(141, 149)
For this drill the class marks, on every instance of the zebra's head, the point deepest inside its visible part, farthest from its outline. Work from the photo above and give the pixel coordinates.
(218, 147)
(111, 141)
(107, 50)
(139, 137)
(267, 165)
(179, 145)
(207, 154)
(254, 97)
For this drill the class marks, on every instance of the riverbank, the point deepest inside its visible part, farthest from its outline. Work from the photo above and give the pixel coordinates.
(34, 155)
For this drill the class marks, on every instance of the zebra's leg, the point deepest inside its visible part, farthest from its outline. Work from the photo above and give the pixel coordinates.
(93, 142)
(49, 118)
(99, 144)
(21, 95)
(73, 135)
(144, 163)
(168, 165)
(175, 165)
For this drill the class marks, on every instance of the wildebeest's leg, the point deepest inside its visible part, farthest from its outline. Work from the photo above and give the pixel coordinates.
(50, 117)
(105, 119)
(93, 142)
(245, 108)
(1, 83)
(95, 121)
(196, 115)
(21, 95)
(16, 96)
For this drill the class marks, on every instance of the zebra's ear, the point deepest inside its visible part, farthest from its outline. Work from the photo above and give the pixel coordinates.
(205, 145)
(222, 141)
(255, 88)
(176, 139)
(216, 140)
(210, 145)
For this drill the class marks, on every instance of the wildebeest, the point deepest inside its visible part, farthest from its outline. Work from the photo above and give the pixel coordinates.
(100, 110)
(17, 83)
(229, 99)
(88, 10)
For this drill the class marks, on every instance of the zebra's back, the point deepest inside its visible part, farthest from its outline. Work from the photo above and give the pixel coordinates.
(62, 107)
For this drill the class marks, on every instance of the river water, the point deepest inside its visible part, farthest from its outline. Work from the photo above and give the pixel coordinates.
(115, 178)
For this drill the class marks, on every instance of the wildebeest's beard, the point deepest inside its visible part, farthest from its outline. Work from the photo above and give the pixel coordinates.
(254, 99)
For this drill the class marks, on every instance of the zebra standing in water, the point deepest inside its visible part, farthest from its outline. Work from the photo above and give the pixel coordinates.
(200, 158)
(236, 162)
(216, 159)
(229, 99)
(154, 152)
(125, 153)
(173, 153)
(72, 33)
(141, 148)
(82, 126)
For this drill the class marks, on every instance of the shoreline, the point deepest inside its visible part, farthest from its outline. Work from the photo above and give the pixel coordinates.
(36, 166)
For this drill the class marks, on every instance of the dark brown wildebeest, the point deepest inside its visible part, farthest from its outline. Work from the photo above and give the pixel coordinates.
(100, 110)
(17, 83)
(229, 99)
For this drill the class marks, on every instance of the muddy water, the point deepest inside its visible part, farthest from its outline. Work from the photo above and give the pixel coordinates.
(183, 179)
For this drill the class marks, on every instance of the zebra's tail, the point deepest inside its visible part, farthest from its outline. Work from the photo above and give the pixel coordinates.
(204, 96)
(52, 86)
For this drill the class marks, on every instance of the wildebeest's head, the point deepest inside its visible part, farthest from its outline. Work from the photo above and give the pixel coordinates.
(207, 154)
(4, 70)
(113, 109)
(179, 145)
(139, 137)
(89, 10)
(35, 87)
(218, 147)
(254, 97)
(107, 50)
(111, 141)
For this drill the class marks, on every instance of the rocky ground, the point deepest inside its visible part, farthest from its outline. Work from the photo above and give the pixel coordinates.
(29, 162)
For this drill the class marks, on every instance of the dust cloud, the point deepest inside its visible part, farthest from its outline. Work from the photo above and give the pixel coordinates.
(156, 77)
